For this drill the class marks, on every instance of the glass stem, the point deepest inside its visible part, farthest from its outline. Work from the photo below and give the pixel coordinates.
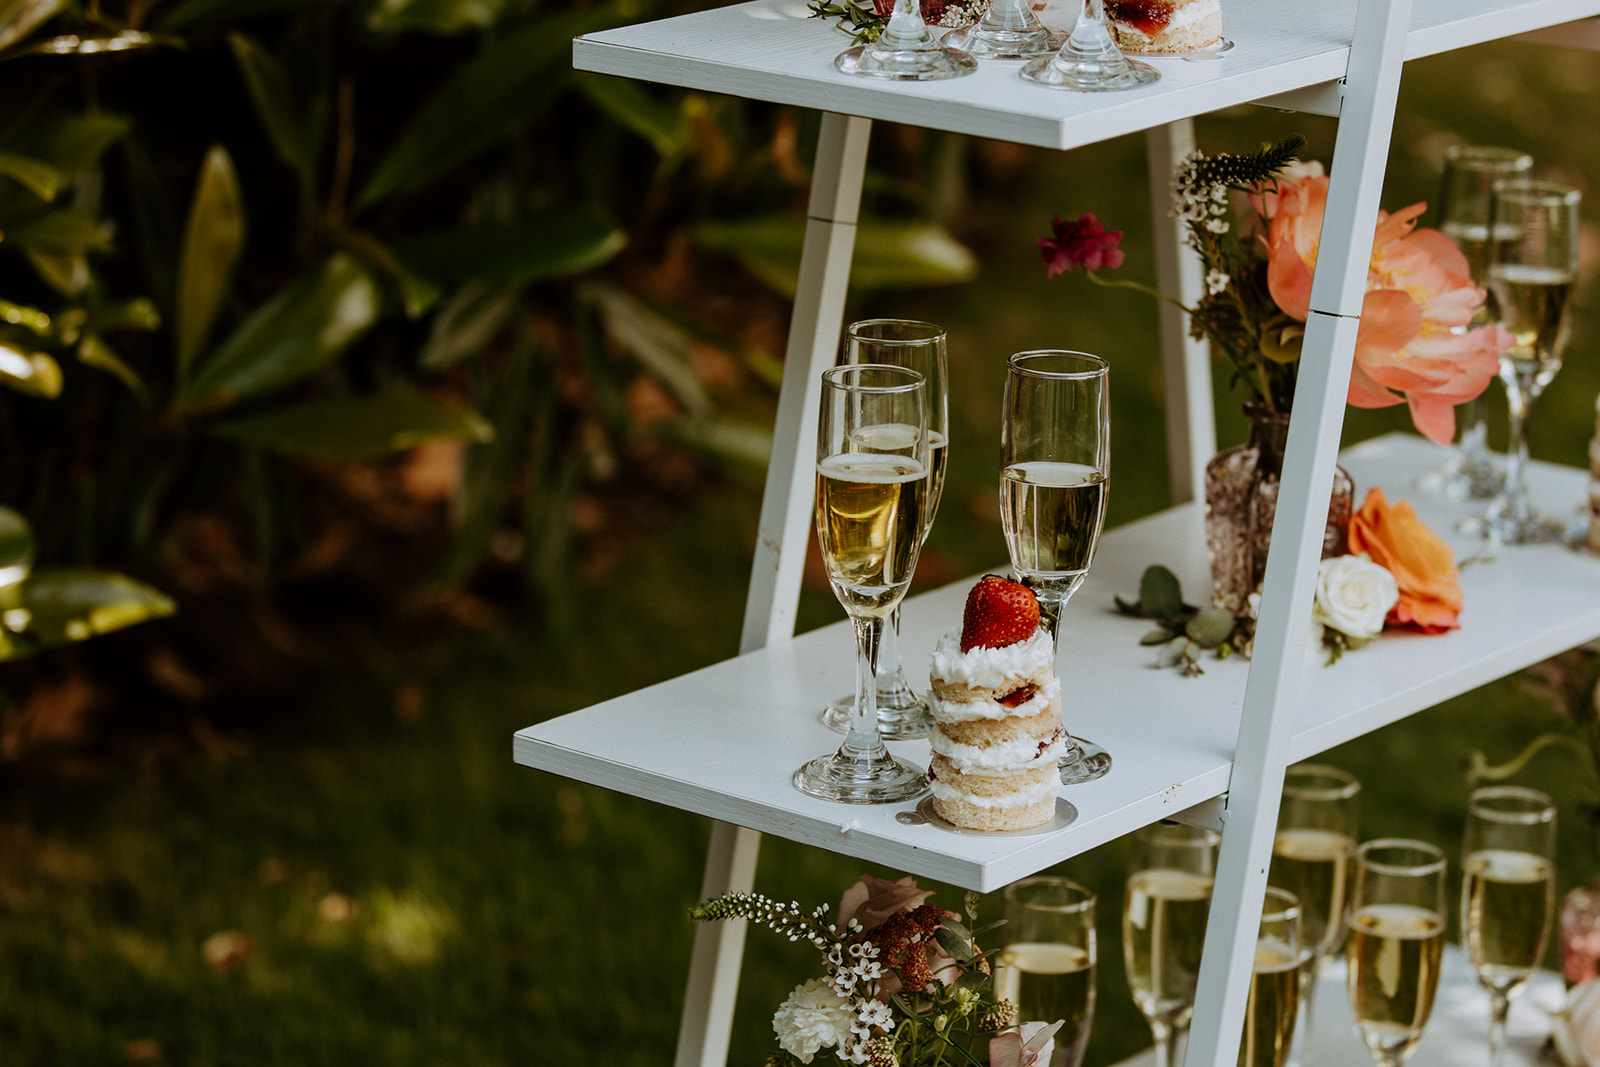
(862, 743)
(1518, 400)
(1475, 434)
(1308, 1000)
(889, 649)
(1166, 1043)
(906, 30)
(1090, 33)
(1499, 1008)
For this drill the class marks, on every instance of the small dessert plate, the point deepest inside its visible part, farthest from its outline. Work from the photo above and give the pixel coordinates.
(1065, 816)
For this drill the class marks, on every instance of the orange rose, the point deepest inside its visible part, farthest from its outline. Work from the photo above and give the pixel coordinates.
(1423, 565)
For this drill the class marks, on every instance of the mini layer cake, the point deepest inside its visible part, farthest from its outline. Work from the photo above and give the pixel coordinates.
(996, 706)
(1165, 27)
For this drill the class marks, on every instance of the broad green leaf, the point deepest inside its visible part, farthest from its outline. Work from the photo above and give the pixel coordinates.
(661, 345)
(272, 92)
(16, 548)
(484, 102)
(355, 430)
(38, 177)
(69, 604)
(1159, 592)
(887, 254)
(557, 245)
(443, 17)
(77, 143)
(96, 353)
(18, 18)
(63, 232)
(663, 124)
(746, 443)
(1210, 628)
(212, 242)
(417, 293)
(298, 332)
(467, 323)
(34, 373)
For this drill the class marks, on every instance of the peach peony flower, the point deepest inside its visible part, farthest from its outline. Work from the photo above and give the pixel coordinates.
(1409, 347)
(1423, 565)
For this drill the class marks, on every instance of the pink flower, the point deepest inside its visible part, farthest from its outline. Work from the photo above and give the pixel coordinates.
(873, 901)
(1009, 1050)
(1084, 243)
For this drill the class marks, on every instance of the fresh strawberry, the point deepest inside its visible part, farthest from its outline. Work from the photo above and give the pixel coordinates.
(999, 612)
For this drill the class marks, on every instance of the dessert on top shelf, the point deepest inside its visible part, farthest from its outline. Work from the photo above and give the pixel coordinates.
(1165, 27)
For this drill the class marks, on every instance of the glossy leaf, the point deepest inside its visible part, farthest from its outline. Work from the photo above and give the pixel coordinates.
(70, 604)
(1160, 595)
(34, 373)
(663, 124)
(887, 254)
(212, 241)
(16, 548)
(557, 245)
(661, 345)
(293, 335)
(358, 429)
(417, 293)
(18, 18)
(94, 352)
(444, 17)
(467, 322)
(63, 232)
(95, 44)
(38, 177)
(78, 142)
(272, 92)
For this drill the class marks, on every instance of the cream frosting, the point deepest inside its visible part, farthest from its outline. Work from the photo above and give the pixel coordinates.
(988, 668)
(1184, 16)
(944, 710)
(1020, 798)
(1007, 757)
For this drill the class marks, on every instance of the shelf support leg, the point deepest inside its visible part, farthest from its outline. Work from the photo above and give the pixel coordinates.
(1274, 686)
(1185, 362)
(784, 532)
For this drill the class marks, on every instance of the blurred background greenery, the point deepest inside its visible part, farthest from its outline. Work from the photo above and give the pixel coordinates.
(427, 383)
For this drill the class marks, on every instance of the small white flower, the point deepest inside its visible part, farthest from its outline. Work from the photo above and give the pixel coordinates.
(1216, 281)
(813, 1018)
(1354, 596)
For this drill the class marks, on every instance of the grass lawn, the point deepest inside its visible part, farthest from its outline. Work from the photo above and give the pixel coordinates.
(372, 881)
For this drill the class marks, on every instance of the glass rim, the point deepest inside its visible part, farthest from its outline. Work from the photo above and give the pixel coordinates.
(1349, 785)
(935, 332)
(1091, 365)
(1487, 157)
(1288, 906)
(1436, 862)
(835, 378)
(1165, 834)
(1531, 809)
(1536, 191)
(1084, 897)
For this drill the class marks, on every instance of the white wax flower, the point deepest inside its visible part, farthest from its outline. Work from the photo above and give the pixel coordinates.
(814, 1017)
(1354, 596)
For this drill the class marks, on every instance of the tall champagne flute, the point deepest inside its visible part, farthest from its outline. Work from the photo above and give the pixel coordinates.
(1532, 281)
(1164, 910)
(902, 715)
(872, 473)
(1047, 966)
(1470, 172)
(1274, 999)
(1312, 852)
(1508, 894)
(1396, 943)
(1055, 466)
(1089, 60)
(905, 51)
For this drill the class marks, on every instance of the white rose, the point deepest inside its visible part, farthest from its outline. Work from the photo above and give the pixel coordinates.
(1354, 596)
(814, 1017)
(1583, 1023)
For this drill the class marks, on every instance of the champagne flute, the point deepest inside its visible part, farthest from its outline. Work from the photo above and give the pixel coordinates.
(1089, 60)
(1470, 171)
(1311, 853)
(1532, 279)
(1055, 443)
(1164, 910)
(872, 472)
(1508, 894)
(1008, 30)
(905, 51)
(1396, 943)
(1274, 998)
(902, 715)
(1047, 966)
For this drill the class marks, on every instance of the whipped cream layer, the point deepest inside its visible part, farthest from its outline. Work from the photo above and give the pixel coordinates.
(1050, 787)
(1007, 757)
(1184, 17)
(988, 668)
(944, 710)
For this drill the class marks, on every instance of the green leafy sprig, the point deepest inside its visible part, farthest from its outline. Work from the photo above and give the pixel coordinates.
(1184, 631)
(859, 18)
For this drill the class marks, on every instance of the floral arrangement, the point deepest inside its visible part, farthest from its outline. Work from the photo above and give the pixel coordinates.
(864, 20)
(1412, 345)
(905, 984)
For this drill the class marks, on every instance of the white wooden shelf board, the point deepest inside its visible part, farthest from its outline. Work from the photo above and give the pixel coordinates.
(723, 741)
(772, 50)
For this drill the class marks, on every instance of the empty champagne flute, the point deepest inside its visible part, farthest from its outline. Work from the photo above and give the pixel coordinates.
(1532, 275)
(872, 472)
(1312, 852)
(1396, 943)
(1164, 911)
(1047, 966)
(1508, 894)
(1470, 171)
(1274, 999)
(1055, 467)
(1089, 60)
(902, 715)
(905, 51)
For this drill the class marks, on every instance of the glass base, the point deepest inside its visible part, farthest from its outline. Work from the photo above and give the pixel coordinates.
(915, 64)
(1463, 478)
(1089, 73)
(1499, 527)
(840, 778)
(1089, 762)
(1005, 44)
(902, 715)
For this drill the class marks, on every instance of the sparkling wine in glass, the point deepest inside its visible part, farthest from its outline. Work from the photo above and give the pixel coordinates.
(1055, 445)
(1047, 966)
(1274, 998)
(1396, 943)
(905, 51)
(1470, 171)
(1508, 894)
(1312, 854)
(872, 473)
(1532, 280)
(1089, 60)
(902, 714)
(1164, 909)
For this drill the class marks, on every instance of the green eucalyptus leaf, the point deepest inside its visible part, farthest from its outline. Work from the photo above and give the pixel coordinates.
(1159, 592)
(298, 332)
(272, 92)
(96, 353)
(356, 430)
(34, 373)
(1210, 628)
(213, 239)
(443, 17)
(77, 143)
(1171, 654)
(62, 232)
(557, 245)
(887, 254)
(661, 123)
(1156, 637)
(18, 18)
(16, 548)
(954, 946)
(64, 605)
(37, 176)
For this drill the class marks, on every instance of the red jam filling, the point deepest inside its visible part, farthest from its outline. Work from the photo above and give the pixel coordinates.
(1018, 697)
(1149, 17)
